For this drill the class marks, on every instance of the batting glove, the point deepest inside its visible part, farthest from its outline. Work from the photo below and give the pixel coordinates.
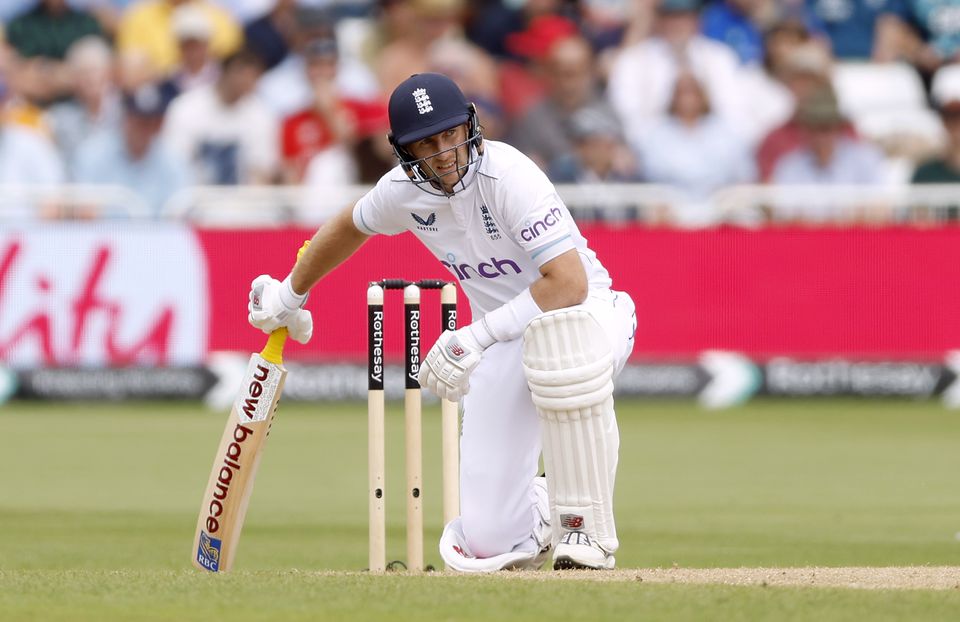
(273, 304)
(446, 370)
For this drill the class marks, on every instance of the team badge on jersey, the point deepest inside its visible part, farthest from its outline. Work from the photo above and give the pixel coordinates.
(489, 225)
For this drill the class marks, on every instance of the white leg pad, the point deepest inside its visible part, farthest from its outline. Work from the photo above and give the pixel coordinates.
(569, 367)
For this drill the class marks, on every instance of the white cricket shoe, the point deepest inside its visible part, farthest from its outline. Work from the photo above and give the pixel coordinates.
(543, 535)
(577, 551)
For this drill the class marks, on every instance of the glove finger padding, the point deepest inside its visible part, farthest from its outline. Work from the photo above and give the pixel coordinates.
(266, 324)
(447, 366)
(300, 326)
(423, 376)
(430, 380)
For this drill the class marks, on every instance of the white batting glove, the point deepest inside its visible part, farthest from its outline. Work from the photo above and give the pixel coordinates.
(300, 326)
(273, 304)
(447, 367)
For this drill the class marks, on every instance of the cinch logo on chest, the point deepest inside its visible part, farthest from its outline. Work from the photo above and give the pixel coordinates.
(487, 270)
(533, 231)
(426, 224)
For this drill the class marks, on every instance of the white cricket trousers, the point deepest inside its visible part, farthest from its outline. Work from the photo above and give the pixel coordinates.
(500, 440)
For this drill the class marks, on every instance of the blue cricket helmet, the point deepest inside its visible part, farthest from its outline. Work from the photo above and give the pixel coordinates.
(423, 105)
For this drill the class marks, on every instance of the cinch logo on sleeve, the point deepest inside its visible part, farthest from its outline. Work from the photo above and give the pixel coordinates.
(487, 270)
(534, 230)
(208, 552)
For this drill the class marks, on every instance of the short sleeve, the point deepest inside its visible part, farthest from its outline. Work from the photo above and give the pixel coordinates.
(535, 215)
(374, 212)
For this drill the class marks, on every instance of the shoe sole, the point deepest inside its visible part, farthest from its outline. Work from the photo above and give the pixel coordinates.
(568, 563)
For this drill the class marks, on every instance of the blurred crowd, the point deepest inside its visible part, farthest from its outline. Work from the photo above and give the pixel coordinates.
(697, 95)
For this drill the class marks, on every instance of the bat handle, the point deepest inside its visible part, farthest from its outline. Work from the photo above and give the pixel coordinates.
(273, 351)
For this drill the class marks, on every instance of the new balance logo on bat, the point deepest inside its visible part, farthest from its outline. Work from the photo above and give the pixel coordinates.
(255, 405)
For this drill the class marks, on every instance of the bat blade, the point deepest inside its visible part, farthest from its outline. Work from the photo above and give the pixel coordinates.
(235, 466)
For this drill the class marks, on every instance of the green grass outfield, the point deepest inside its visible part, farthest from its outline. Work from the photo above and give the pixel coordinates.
(98, 503)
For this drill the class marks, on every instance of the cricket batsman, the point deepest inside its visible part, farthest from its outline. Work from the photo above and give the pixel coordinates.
(534, 372)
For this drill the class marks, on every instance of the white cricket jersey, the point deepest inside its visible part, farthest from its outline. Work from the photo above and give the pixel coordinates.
(492, 236)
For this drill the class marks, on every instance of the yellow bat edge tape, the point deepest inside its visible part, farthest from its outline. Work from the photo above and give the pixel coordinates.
(273, 351)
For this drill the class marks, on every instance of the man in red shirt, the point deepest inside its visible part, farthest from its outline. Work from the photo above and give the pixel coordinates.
(330, 120)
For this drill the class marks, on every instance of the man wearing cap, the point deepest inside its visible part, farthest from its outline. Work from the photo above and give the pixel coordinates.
(136, 157)
(286, 88)
(534, 370)
(198, 66)
(147, 27)
(827, 156)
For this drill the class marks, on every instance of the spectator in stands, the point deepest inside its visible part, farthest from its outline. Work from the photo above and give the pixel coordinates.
(491, 27)
(270, 34)
(198, 67)
(929, 35)
(526, 82)
(135, 156)
(859, 29)
(49, 29)
(643, 75)
(693, 150)
(147, 26)
(20, 87)
(41, 37)
(544, 132)
(828, 155)
(738, 23)
(95, 104)
(286, 88)
(27, 157)
(437, 43)
(597, 152)
(605, 24)
(804, 69)
(107, 12)
(327, 130)
(945, 91)
(224, 130)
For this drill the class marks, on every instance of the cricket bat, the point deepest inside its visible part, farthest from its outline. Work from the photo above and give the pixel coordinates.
(238, 456)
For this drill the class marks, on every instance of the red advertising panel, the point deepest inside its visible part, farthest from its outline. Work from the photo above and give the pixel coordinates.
(865, 293)
(121, 293)
(858, 292)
